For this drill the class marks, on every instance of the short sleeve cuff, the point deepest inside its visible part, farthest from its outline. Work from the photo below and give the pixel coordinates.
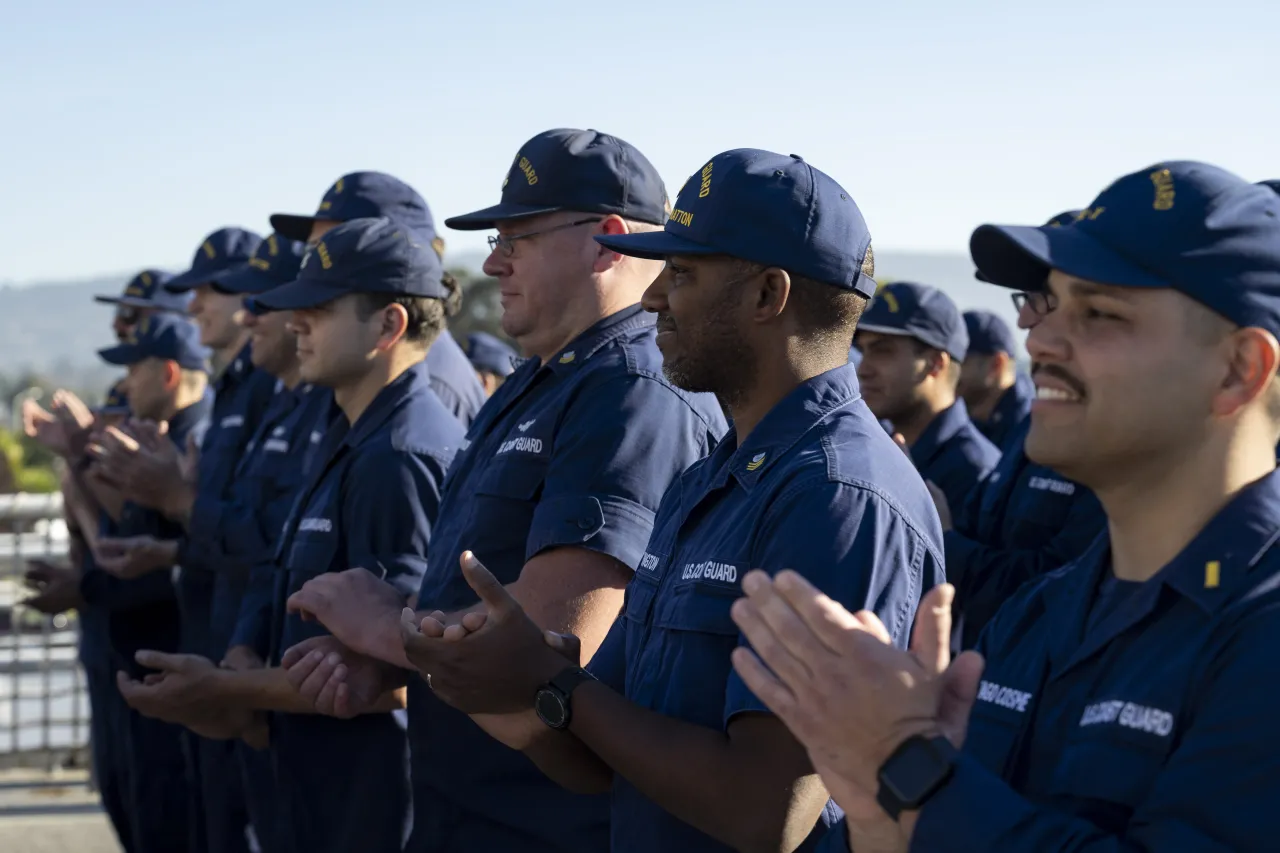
(609, 525)
(402, 571)
(835, 841)
(609, 663)
(738, 699)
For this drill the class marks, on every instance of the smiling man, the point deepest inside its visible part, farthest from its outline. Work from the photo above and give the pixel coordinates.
(1127, 699)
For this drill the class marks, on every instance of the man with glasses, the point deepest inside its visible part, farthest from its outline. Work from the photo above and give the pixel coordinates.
(375, 194)
(1126, 702)
(143, 296)
(1021, 522)
(555, 487)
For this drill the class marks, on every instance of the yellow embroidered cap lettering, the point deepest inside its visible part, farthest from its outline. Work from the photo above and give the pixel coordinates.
(568, 357)
(1212, 574)
(756, 461)
(145, 278)
(683, 217)
(1163, 182)
(208, 249)
(529, 174)
(889, 300)
(705, 189)
(273, 248)
(323, 252)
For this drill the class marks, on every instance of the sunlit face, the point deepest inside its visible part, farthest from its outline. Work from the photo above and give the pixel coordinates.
(1121, 377)
(274, 344)
(334, 345)
(215, 314)
(146, 386)
(891, 372)
(702, 316)
(533, 281)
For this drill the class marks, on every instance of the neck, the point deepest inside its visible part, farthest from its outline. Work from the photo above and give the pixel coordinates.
(1154, 513)
(603, 299)
(356, 396)
(290, 376)
(984, 407)
(913, 425)
(776, 378)
(184, 397)
(223, 356)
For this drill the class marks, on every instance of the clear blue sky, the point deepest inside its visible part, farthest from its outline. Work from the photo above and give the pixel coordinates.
(130, 129)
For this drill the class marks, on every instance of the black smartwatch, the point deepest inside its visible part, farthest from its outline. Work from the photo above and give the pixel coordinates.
(915, 771)
(552, 701)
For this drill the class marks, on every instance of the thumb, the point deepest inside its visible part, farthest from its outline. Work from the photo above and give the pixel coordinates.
(959, 691)
(931, 636)
(480, 579)
(566, 644)
(158, 660)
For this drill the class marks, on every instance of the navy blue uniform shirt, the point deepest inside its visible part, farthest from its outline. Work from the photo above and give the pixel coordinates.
(576, 452)
(1023, 521)
(241, 531)
(242, 395)
(143, 612)
(371, 500)
(1013, 407)
(953, 455)
(454, 379)
(817, 487)
(1152, 729)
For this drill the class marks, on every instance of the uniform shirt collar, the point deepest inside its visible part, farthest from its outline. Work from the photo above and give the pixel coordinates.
(784, 425)
(414, 380)
(944, 427)
(240, 367)
(587, 344)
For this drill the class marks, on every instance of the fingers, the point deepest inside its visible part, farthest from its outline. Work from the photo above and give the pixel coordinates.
(776, 633)
(829, 621)
(433, 626)
(567, 645)
(342, 708)
(960, 685)
(763, 683)
(161, 660)
(295, 654)
(454, 633)
(313, 686)
(492, 593)
(931, 636)
(475, 620)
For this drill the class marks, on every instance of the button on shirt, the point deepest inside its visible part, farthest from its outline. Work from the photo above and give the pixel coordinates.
(454, 379)
(1020, 523)
(574, 452)
(1013, 407)
(953, 455)
(1151, 729)
(371, 501)
(242, 395)
(143, 612)
(817, 487)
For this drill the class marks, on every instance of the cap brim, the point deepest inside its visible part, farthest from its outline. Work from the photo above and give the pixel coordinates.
(653, 245)
(883, 330)
(297, 295)
(121, 355)
(491, 216)
(243, 280)
(1020, 257)
(293, 225)
(188, 281)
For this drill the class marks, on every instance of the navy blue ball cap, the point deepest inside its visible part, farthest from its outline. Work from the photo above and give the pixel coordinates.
(146, 290)
(764, 207)
(274, 262)
(364, 195)
(1065, 218)
(580, 170)
(917, 311)
(989, 333)
(361, 256)
(487, 352)
(1273, 184)
(1189, 226)
(222, 250)
(171, 337)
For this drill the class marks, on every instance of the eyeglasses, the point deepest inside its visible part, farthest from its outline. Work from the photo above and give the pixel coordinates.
(505, 243)
(128, 314)
(1041, 302)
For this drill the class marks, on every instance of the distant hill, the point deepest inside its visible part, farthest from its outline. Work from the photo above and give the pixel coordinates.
(54, 328)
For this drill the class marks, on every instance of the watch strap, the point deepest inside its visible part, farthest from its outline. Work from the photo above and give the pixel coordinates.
(568, 680)
(946, 755)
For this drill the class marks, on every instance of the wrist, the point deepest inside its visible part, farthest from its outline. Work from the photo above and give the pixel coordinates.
(179, 501)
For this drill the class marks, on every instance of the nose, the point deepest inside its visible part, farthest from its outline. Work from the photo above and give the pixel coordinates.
(496, 264)
(1027, 316)
(1045, 340)
(654, 299)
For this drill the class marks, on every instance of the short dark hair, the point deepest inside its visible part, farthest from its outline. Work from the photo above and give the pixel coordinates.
(825, 312)
(426, 314)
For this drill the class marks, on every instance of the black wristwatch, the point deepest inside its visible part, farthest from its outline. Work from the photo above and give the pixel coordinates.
(915, 771)
(552, 701)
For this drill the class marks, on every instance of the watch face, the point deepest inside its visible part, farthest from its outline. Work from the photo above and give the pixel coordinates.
(551, 709)
(914, 771)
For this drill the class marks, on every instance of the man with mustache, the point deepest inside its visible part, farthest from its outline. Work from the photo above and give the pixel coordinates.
(1124, 702)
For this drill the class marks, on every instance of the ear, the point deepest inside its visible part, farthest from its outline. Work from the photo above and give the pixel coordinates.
(606, 259)
(936, 362)
(770, 290)
(1000, 362)
(1253, 355)
(395, 322)
(171, 373)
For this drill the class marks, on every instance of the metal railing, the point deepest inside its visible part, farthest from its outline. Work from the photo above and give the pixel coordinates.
(44, 708)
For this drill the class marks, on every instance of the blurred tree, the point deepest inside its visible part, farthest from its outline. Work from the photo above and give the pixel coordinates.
(481, 306)
(18, 473)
